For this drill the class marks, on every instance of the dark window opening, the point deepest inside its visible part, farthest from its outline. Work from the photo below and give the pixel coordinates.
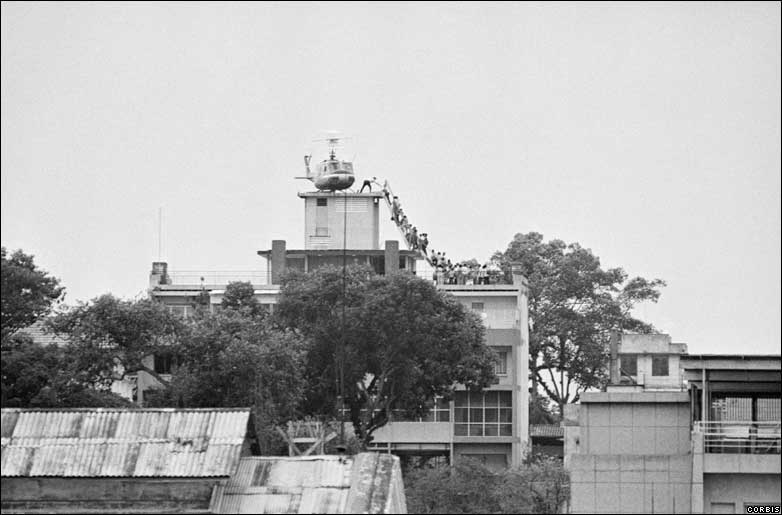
(629, 365)
(659, 365)
(322, 202)
(164, 363)
(378, 264)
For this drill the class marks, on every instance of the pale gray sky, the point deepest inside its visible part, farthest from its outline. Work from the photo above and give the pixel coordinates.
(649, 133)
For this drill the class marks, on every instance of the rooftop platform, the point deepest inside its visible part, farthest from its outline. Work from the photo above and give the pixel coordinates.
(341, 193)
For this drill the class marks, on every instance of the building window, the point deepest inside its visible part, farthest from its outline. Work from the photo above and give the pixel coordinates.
(164, 363)
(659, 365)
(483, 414)
(323, 202)
(628, 364)
(477, 306)
(440, 412)
(501, 367)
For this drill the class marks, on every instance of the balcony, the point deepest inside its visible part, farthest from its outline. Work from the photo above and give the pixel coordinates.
(729, 447)
(740, 437)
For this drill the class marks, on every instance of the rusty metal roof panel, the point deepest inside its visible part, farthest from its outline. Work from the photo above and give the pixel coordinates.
(8, 422)
(323, 472)
(16, 460)
(295, 485)
(546, 430)
(265, 503)
(314, 484)
(323, 500)
(119, 460)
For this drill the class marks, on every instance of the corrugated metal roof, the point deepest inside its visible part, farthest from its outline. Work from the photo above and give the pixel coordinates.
(107, 442)
(310, 484)
(313, 484)
(546, 430)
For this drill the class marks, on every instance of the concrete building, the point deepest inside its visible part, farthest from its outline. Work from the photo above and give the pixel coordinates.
(676, 433)
(492, 426)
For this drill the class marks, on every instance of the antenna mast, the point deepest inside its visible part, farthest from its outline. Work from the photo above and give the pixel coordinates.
(160, 234)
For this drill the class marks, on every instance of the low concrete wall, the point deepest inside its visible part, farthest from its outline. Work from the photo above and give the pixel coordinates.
(634, 428)
(105, 494)
(629, 484)
(630, 453)
(744, 463)
(418, 432)
(722, 490)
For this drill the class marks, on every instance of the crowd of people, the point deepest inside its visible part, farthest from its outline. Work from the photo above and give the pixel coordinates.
(444, 271)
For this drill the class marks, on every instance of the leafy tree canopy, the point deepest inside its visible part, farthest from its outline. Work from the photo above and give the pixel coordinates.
(38, 376)
(109, 337)
(27, 292)
(240, 296)
(574, 304)
(229, 359)
(539, 486)
(403, 342)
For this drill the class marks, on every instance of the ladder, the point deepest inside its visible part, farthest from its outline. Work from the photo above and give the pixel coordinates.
(389, 194)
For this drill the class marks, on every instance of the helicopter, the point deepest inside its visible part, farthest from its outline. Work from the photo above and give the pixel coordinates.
(330, 174)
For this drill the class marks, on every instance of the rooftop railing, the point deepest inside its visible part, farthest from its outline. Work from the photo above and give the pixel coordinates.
(740, 437)
(211, 277)
(460, 279)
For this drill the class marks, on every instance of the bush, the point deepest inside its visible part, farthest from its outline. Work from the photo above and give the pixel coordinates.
(539, 486)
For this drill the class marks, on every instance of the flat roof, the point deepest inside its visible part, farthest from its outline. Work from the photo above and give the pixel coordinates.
(730, 361)
(732, 356)
(342, 193)
(338, 252)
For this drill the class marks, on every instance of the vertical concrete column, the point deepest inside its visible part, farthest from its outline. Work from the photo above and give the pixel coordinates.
(278, 260)
(705, 396)
(696, 492)
(159, 274)
(392, 257)
(520, 355)
(615, 379)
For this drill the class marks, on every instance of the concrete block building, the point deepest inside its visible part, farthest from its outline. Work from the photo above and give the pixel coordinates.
(676, 433)
(491, 426)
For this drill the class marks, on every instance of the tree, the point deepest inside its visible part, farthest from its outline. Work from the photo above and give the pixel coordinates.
(400, 343)
(468, 487)
(38, 376)
(229, 359)
(540, 411)
(109, 338)
(27, 292)
(240, 296)
(540, 485)
(573, 306)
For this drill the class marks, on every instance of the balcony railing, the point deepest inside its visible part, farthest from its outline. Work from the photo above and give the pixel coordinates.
(468, 279)
(214, 278)
(740, 437)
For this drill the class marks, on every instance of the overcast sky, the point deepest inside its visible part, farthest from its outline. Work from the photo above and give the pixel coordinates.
(649, 133)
